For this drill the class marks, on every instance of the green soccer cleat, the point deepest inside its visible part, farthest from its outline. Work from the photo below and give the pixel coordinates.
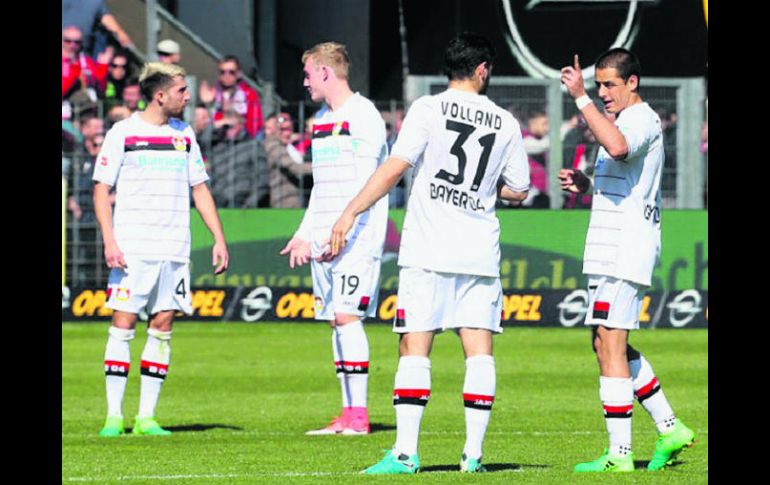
(670, 444)
(471, 465)
(113, 426)
(148, 426)
(393, 463)
(608, 463)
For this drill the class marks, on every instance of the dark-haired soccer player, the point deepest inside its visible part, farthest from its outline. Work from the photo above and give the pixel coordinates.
(153, 159)
(622, 248)
(460, 144)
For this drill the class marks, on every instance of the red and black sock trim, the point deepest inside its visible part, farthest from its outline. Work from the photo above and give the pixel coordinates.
(349, 367)
(618, 411)
(116, 368)
(601, 310)
(411, 396)
(400, 317)
(153, 369)
(648, 390)
(478, 401)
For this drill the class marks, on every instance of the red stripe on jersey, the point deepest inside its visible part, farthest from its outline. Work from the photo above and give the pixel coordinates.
(331, 126)
(418, 393)
(363, 365)
(619, 409)
(153, 140)
(400, 313)
(478, 397)
(147, 364)
(602, 306)
(117, 363)
(644, 390)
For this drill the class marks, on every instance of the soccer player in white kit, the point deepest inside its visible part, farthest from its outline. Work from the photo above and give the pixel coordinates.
(622, 248)
(153, 160)
(466, 152)
(348, 145)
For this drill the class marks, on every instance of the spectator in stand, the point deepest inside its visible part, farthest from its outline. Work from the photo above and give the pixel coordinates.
(536, 144)
(203, 130)
(232, 94)
(132, 95)
(87, 14)
(117, 113)
(290, 175)
(82, 78)
(168, 52)
(90, 125)
(117, 75)
(80, 203)
(237, 167)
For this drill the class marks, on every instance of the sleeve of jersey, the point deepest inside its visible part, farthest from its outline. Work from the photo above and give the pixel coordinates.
(516, 170)
(638, 132)
(304, 227)
(110, 158)
(195, 167)
(414, 133)
(369, 136)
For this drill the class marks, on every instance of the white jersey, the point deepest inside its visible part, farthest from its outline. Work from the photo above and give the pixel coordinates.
(623, 239)
(348, 146)
(460, 143)
(153, 168)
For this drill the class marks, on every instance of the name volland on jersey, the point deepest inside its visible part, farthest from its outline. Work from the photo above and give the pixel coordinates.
(475, 116)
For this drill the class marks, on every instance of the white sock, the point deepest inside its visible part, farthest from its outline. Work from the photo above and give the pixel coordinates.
(351, 359)
(155, 359)
(478, 395)
(617, 395)
(410, 395)
(117, 362)
(650, 395)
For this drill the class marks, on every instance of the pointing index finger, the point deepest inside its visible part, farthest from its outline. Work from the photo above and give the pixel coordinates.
(577, 62)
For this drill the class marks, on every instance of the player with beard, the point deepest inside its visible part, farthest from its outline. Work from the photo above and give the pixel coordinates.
(155, 162)
(466, 152)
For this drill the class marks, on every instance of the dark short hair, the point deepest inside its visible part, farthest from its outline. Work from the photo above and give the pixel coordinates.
(622, 60)
(230, 58)
(466, 51)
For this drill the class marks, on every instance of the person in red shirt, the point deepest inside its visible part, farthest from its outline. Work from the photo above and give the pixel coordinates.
(78, 71)
(231, 94)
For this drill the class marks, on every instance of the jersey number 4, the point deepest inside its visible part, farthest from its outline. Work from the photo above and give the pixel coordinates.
(485, 141)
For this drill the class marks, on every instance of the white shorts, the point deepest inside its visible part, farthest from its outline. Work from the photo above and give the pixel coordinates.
(614, 303)
(430, 301)
(154, 285)
(348, 285)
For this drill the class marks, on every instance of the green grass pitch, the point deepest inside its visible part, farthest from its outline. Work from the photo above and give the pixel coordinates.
(239, 398)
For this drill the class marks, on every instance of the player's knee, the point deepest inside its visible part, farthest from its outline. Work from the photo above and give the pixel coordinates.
(162, 321)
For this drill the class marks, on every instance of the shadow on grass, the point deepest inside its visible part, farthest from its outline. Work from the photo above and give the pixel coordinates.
(195, 427)
(491, 467)
(377, 427)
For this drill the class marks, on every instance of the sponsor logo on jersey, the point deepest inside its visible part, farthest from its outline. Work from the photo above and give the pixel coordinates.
(457, 198)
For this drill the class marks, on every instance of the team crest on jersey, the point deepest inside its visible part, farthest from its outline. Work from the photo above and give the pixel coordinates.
(122, 294)
(179, 143)
(319, 304)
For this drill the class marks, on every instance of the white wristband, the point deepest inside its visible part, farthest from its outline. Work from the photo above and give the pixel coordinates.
(583, 101)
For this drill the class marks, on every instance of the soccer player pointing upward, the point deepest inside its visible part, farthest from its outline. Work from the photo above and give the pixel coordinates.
(460, 144)
(153, 160)
(622, 248)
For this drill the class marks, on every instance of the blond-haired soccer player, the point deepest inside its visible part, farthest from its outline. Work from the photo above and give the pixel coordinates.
(622, 248)
(467, 151)
(348, 144)
(153, 160)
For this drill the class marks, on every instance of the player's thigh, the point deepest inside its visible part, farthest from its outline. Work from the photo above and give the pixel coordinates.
(173, 291)
(355, 284)
(425, 301)
(129, 289)
(478, 303)
(614, 303)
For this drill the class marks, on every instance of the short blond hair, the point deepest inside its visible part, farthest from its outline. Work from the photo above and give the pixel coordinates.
(158, 75)
(332, 54)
